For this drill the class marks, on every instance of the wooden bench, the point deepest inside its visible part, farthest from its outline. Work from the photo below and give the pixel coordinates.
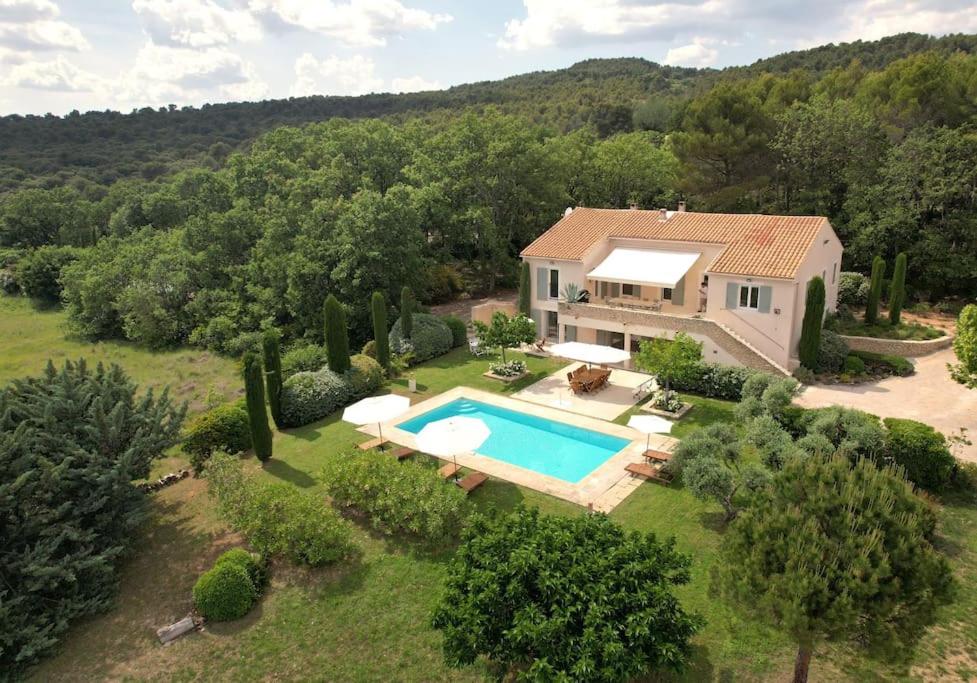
(402, 452)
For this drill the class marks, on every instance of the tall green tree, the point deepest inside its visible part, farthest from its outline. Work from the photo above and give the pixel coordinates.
(525, 290)
(271, 351)
(337, 335)
(832, 551)
(897, 289)
(875, 290)
(810, 342)
(406, 312)
(381, 336)
(254, 396)
(565, 598)
(505, 332)
(965, 347)
(669, 359)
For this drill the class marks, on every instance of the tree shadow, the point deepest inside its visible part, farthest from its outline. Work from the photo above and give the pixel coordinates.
(285, 472)
(498, 494)
(714, 521)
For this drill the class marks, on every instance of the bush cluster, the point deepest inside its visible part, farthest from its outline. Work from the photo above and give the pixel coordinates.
(277, 519)
(854, 365)
(308, 358)
(714, 381)
(895, 365)
(852, 289)
(39, 271)
(223, 428)
(832, 352)
(364, 376)
(459, 330)
(310, 396)
(396, 496)
(229, 589)
(430, 337)
(921, 451)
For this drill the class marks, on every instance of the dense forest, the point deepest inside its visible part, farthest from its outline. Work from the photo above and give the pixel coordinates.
(194, 225)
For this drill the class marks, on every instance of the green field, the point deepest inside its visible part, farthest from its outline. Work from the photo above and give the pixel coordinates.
(369, 620)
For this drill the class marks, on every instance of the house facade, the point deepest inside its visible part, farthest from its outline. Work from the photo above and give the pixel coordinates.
(735, 282)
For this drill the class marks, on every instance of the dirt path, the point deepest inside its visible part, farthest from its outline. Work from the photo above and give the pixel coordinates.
(463, 307)
(929, 396)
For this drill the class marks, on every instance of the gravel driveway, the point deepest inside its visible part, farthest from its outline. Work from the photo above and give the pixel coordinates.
(929, 396)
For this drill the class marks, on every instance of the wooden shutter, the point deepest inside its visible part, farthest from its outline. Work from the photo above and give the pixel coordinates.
(615, 290)
(542, 284)
(732, 294)
(678, 293)
(766, 293)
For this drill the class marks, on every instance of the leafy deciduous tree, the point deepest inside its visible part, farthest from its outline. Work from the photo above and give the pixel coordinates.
(505, 332)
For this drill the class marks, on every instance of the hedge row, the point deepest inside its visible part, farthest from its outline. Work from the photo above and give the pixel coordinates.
(897, 365)
(310, 396)
(714, 381)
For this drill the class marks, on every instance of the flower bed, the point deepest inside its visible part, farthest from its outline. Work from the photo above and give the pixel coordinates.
(507, 372)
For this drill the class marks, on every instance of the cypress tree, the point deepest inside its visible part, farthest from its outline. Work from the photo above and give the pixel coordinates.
(271, 350)
(897, 289)
(524, 290)
(254, 394)
(810, 342)
(378, 307)
(406, 312)
(875, 290)
(337, 336)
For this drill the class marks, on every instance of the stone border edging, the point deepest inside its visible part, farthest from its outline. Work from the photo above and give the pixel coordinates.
(898, 347)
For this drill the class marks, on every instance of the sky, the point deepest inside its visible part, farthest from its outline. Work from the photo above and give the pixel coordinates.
(60, 55)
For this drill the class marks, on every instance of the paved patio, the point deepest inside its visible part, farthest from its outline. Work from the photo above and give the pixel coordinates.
(606, 404)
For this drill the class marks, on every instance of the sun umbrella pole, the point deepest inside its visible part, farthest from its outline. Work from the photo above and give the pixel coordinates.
(380, 430)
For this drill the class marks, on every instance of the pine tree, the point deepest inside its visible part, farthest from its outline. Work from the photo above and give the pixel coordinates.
(406, 312)
(254, 394)
(271, 350)
(524, 290)
(897, 289)
(378, 306)
(875, 290)
(810, 342)
(337, 335)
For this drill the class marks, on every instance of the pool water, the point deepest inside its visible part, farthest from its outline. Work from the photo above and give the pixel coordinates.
(555, 449)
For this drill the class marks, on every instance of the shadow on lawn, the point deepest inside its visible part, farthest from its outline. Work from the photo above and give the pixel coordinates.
(282, 470)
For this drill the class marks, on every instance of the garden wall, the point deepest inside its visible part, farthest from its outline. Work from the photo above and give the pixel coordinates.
(898, 347)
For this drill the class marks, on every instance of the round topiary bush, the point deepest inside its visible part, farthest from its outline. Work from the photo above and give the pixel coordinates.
(852, 289)
(431, 337)
(224, 428)
(459, 330)
(854, 365)
(832, 352)
(223, 593)
(364, 376)
(309, 358)
(309, 396)
(252, 563)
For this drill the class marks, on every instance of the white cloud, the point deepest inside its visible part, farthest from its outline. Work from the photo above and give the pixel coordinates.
(355, 23)
(875, 19)
(57, 75)
(335, 76)
(22, 11)
(413, 84)
(195, 23)
(697, 54)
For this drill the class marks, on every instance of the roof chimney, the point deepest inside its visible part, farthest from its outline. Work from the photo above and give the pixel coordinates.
(568, 211)
(633, 206)
(663, 214)
(681, 207)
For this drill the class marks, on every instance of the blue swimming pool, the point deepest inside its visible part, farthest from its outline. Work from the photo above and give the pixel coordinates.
(552, 448)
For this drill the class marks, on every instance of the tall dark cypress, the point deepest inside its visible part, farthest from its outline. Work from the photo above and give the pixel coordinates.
(875, 291)
(406, 312)
(524, 290)
(271, 350)
(810, 342)
(897, 290)
(254, 394)
(378, 307)
(337, 335)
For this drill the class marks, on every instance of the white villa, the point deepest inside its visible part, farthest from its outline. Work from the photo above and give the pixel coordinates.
(735, 282)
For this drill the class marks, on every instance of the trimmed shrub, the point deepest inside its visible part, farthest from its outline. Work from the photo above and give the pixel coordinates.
(459, 330)
(336, 335)
(804, 375)
(381, 342)
(810, 343)
(310, 396)
(224, 592)
(854, 365)
(278, 519)
(921, 451)
(430, 338)
(309, 358)
(875, 290)
(397, 497)
(223, 428)
(896, 365)
(853, 289)
(254, 395)
(252, 563)
(364, 376)
(271, 354)
(831, 352)
(713, 380)
(897, 289)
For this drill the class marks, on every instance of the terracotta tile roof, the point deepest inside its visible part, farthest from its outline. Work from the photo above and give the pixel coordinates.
(756, 244)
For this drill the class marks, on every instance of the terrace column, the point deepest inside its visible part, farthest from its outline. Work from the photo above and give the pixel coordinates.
(627, 347)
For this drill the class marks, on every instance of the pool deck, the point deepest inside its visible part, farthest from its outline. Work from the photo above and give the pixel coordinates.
(615, 398)
(603, 488)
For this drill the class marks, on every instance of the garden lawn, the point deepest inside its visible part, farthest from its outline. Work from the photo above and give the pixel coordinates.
(369, 619)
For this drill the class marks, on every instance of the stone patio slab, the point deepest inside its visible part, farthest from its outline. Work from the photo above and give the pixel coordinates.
(614, 399)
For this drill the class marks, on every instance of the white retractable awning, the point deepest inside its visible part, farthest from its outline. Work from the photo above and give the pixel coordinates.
(644, 267)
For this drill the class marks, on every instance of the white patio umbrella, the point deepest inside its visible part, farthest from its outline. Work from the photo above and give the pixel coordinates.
(589, 353)
(452, 436)
(377, 409)
(650, 424)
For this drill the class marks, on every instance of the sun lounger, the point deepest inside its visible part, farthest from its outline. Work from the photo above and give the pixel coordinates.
(657, 456)
(472, 481)
(643, 469)
(449, 470)
(372, 443)
(402, 452)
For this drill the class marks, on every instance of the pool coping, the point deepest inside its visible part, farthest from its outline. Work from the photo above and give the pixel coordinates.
(585, 492)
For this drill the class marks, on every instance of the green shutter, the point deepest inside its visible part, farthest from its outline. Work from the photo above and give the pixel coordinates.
(732, 294)
(678, 293)
(542, 284)
(766, 293)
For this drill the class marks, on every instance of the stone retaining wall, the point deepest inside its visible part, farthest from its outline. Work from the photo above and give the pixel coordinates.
(898, 347)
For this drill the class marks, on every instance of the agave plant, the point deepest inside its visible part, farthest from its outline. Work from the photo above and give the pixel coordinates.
(571, 292)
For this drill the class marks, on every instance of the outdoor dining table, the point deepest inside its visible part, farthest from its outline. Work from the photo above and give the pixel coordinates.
(588, 375)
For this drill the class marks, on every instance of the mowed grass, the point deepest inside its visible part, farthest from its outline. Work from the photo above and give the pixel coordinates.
(369, 619)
